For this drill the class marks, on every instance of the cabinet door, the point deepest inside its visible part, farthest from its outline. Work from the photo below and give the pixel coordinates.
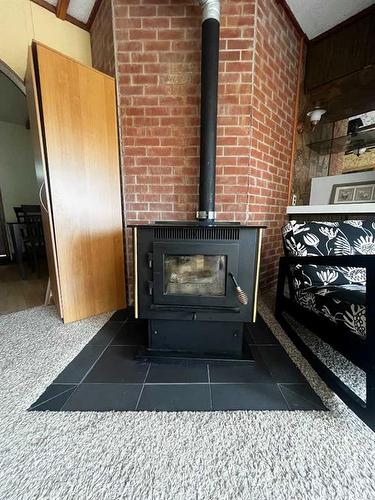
(340, 53)
(80, 132)
(42, 179)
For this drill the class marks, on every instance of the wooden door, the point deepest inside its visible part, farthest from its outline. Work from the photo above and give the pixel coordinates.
(81, 143)
(42, 180)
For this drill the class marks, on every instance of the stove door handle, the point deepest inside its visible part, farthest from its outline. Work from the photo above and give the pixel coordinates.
(240, 294)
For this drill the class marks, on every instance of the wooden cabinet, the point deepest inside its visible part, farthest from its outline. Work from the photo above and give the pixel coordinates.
(340, 69)
(344, 51)
(72, 111)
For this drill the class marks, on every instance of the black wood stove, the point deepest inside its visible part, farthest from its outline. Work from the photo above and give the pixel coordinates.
(196, 282)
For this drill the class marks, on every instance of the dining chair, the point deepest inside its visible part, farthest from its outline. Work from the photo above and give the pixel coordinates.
(34, 234)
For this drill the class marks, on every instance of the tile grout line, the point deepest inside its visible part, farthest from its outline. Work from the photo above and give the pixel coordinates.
(92, 366)
(79, 384)
(143, 385)
(209, 387)
(121, 325)
(105, 347)
(309, 402)
(53, 397)
(109, 323)
(283, 396)
(180, 383)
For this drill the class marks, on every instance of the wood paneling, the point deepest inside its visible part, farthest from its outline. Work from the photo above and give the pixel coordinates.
(79, 114)
(94, 11)
(342, 52)
(348, 96)
(340, 68)
(62, 8)
(42, 179)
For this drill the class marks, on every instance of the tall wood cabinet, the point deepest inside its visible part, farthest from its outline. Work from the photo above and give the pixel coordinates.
(72, 111)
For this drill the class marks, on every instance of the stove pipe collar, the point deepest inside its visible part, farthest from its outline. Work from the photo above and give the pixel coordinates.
(211, 9)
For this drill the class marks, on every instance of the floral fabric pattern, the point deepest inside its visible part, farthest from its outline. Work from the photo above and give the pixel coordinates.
(337, 293)
(350, 237)
(345, 309)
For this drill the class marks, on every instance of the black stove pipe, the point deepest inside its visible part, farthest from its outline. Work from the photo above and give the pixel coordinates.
(209, 91)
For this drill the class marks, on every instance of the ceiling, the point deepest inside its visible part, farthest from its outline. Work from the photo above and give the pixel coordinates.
(317, 16)
(13, 108)
(79, 12)
(80, 9)
(314, 16)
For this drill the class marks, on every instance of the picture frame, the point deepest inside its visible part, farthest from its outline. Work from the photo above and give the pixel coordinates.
(355, 192)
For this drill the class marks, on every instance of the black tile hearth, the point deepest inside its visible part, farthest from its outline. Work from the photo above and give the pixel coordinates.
(118, 364)
(239, 372)
(53, 397)
(301, 397)
(110, 374)
(75, 372)
(121, 315)
(104, 397)
(247, 397)
(260, 334)
(177, 372)
(175, 397)
(106, 334)
(131, 333)
(279, 364)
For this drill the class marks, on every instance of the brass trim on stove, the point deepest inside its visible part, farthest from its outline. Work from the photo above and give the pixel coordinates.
(255, 303)
(135, 253)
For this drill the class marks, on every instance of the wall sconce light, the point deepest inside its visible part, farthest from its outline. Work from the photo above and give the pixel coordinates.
(361, 151)
(315, 116)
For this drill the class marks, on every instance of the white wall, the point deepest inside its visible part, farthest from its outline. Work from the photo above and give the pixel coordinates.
(321, 187)
(17, 171)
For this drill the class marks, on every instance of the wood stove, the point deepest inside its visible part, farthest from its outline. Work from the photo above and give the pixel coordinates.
(184, 285)
(196, 282)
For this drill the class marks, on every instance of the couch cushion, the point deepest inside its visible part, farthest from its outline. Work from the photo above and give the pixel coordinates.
(344, 305)
(351, 237)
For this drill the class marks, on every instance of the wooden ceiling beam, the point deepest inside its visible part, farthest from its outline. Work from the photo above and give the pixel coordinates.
(45, 5)
(62, 9)
(68, 18)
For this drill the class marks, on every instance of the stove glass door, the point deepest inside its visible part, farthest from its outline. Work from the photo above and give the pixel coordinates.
(194, 273)
(200, 275)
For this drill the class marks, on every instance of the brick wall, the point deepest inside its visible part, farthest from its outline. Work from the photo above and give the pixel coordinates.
(102, 43)
(157, 45)
(273, 102)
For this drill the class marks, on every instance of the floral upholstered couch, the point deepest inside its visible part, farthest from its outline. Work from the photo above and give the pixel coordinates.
(332, 292)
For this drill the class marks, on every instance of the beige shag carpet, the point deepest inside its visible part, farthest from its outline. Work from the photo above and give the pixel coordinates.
(220, 455)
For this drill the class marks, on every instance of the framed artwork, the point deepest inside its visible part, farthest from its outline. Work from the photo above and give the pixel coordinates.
(356, 192)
